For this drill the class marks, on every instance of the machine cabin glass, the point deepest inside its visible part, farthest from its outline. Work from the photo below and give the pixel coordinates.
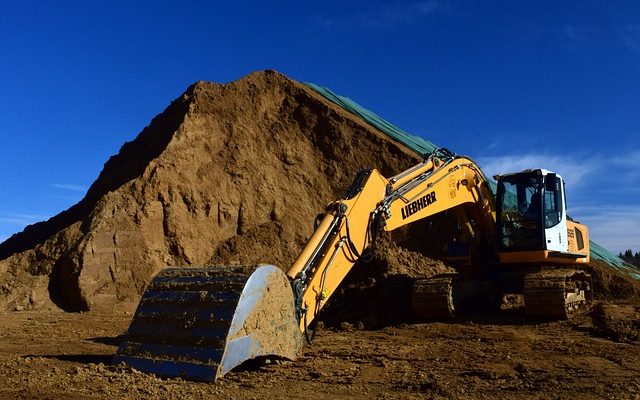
(519, 209)
(553, 204)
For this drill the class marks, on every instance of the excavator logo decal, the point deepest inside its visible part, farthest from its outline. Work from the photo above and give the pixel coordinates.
(418, 205)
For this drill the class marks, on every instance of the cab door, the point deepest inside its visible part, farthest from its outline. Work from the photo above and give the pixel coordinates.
(554, 214)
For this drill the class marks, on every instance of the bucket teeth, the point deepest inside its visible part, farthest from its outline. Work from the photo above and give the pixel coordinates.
(199, 323)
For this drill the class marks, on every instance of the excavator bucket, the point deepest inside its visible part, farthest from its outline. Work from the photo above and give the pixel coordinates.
(200, 323)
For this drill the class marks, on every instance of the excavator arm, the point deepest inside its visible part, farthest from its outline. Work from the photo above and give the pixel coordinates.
(348, 228)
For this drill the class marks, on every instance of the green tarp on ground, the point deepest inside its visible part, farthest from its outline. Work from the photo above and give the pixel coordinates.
(422, 147)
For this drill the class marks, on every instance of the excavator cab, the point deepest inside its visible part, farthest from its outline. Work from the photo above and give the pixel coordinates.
(532, 219)
(534, 229)
(519, 211)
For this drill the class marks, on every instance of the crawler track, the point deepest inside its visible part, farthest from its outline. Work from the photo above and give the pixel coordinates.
(433, 298)
(554, 294)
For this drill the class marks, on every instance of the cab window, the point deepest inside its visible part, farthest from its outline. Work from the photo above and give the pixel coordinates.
(553, 203)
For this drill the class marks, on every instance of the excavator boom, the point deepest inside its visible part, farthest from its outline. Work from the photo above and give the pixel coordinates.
(349, 227)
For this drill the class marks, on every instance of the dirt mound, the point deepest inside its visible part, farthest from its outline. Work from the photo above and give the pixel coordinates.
(227, 173)
(378, 293)
(608, 284)
(620, 322)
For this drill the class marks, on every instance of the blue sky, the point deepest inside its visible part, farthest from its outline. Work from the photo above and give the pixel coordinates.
(514, 85)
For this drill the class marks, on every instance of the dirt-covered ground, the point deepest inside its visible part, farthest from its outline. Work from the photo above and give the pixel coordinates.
(57, 355)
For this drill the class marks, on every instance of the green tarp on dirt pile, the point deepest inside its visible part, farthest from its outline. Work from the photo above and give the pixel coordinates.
(415, 143)
(422, 147)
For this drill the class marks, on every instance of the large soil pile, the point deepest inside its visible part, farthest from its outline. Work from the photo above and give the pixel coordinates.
(227, 174)
(230, 173)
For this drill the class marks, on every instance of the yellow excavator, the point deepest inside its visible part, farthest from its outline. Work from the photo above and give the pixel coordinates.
(199, 323)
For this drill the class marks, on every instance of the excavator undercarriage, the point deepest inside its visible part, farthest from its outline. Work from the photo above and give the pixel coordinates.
(549, 294)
